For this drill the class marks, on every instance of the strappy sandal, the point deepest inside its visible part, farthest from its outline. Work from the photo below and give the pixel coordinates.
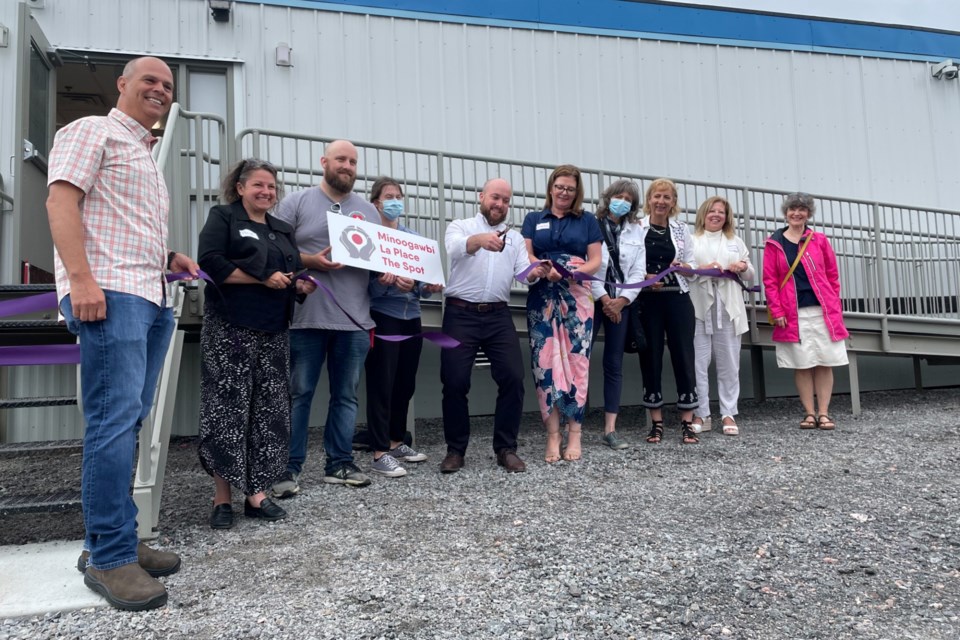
(687, 436)
(825, 423)
(656, 432)
(730, 429)
(553, 448)
(572, 451)
(809, 422)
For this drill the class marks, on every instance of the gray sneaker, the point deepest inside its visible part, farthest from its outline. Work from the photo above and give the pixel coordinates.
(287, 486)
(403, 453)
(348, 474)
(613, 441)
(387, 465)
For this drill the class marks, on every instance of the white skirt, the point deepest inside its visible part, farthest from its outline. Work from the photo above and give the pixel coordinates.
(815, 348)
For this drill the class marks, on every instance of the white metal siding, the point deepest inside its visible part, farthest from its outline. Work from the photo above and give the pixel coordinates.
(844, 125)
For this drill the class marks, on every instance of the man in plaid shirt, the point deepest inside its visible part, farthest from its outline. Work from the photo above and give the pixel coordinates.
(108, 208)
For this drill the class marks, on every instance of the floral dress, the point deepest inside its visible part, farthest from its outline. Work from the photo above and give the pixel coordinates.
(560, 314)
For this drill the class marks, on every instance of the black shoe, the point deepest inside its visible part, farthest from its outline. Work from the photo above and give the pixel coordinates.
(222, 516)
(268, 510)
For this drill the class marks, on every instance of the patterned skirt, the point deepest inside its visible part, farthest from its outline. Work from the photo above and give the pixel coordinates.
(560, 322)
(244, 403)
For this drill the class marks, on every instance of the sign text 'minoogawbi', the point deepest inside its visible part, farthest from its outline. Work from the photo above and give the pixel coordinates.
(362, 244)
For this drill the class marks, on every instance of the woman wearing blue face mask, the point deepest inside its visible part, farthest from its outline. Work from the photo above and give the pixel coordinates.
(624, 260)
(392, 366)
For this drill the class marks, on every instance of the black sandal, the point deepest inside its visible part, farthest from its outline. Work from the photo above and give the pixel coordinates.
(687, 436)
(656, 432)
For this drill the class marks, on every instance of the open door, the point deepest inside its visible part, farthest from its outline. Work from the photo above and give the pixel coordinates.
(36, 97)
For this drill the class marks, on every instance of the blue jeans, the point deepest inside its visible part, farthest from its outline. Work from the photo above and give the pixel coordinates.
(347, 351)
(120, 361)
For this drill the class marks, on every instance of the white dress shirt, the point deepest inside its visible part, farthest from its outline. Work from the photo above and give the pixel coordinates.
(485, 276)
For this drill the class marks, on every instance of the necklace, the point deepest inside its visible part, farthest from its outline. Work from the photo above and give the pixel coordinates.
(657, 231)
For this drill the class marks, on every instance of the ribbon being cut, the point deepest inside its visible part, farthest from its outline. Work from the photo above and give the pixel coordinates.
(579, 277)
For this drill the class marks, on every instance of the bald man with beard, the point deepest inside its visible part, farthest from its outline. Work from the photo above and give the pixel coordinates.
(484, 255)
(321, 332)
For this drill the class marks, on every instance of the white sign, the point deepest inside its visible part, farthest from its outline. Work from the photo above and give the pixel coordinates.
(362, 244)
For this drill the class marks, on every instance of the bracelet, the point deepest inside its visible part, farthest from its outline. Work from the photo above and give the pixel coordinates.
(170, 257)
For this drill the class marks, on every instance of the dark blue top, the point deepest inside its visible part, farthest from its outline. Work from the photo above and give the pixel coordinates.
(805, 295)
(553, 236)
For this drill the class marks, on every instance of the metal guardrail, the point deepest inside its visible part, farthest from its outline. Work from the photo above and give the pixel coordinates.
(896, 262)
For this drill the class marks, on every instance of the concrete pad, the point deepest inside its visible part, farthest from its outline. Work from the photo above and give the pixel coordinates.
(43, 578)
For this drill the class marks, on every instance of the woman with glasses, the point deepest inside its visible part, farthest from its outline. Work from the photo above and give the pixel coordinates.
(245, 355)
(720, 311)
(559, 309)
(391, 367)
(804, 302)
(625, 260)
(666, 312)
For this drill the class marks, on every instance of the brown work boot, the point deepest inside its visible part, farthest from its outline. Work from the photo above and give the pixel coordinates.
(127, 587)
(155, 562)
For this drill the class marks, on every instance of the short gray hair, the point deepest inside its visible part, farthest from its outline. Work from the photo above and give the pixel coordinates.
(798, 200)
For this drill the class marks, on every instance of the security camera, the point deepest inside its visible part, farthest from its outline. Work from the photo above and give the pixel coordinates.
(946, 70)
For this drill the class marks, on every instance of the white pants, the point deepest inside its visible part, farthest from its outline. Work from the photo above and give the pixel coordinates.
(721, 343)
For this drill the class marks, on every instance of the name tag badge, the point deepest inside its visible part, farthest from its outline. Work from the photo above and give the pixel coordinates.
(247, 233)
(541, 226)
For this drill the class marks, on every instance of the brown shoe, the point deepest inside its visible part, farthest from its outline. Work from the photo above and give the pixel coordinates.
(509, 460)
(452, 463)
(127, 587)
(155, 562)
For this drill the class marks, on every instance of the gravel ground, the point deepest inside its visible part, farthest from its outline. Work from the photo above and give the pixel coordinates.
(780, 533)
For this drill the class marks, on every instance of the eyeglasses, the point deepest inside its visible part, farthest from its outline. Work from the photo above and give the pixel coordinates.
(562, 189)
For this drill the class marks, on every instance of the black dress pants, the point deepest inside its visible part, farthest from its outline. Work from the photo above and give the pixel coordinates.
(670, 313)
(494, 332)
(391, 379)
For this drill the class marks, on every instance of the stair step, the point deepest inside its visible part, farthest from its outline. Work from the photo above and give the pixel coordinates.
(64, 500)
(48, 401)
(17, 448)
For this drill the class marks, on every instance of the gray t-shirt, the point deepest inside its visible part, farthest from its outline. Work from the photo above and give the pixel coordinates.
(307, 211)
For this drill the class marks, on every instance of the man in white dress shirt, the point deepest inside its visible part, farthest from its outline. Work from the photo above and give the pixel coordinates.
(484, 257)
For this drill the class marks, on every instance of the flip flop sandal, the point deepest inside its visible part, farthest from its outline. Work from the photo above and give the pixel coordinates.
(825, 423)
(809, 422)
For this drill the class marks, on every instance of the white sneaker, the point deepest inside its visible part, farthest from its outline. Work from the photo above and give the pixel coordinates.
(388, 466)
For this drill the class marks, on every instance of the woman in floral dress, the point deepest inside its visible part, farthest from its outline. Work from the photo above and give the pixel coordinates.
(560, 310)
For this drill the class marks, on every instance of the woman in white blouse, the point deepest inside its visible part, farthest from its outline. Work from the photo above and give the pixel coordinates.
(720, 311)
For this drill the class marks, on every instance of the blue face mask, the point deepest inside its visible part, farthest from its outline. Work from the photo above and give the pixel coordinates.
(619, 207)
(392, 209)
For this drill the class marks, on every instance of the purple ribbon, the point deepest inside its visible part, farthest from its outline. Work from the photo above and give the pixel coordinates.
(44, 354)
(30, 304)
(440, 339)
(580, 277)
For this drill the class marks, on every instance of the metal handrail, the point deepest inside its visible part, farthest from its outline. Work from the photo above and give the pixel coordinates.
(896, 261)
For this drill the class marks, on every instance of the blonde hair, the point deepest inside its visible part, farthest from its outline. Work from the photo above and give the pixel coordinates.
(662, 183)
(700, 225)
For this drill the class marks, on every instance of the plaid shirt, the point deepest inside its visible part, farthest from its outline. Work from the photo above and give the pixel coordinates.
(126, 204)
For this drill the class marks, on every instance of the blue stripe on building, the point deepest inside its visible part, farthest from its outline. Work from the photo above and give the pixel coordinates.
(637, 18)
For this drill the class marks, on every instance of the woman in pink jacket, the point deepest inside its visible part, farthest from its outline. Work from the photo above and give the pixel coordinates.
(805, 307)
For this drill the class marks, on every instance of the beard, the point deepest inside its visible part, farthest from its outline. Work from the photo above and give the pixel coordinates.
(493, 218)
(340, 183)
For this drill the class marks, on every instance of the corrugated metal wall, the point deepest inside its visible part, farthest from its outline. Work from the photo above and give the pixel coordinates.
(844, 125)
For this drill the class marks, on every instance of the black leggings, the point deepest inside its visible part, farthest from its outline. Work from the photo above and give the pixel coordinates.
(670, 313)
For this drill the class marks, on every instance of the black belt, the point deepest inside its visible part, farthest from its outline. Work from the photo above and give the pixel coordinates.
(479, 307)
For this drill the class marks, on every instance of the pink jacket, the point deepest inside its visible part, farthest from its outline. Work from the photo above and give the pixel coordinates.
(820, 263)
